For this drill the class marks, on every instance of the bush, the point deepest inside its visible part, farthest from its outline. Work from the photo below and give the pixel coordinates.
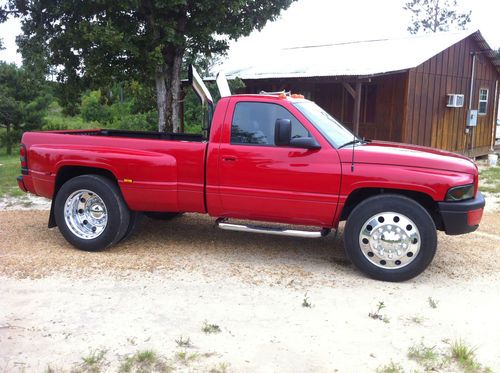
(92, 108)
(137, 122)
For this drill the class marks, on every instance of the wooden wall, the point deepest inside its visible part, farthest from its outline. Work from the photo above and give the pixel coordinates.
(428, 121)
(381, 103)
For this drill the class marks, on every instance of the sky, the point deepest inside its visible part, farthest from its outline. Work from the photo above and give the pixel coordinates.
(312, 22)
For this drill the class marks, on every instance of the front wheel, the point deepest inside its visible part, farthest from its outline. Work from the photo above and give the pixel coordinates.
(390, 237)
(90, 212)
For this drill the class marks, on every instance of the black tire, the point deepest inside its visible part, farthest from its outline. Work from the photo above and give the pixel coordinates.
(363, 251)
(162, 215)
(117, 212)
(135, 219)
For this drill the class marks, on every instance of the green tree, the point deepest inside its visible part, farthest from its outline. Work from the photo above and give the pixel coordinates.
(23, 103)
(436, 15)
(118, 40)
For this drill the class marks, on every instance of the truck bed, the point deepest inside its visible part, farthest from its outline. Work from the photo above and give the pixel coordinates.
(165, 171)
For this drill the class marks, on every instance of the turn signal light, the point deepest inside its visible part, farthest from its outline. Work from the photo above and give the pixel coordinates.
(474, 217)
(23, 159)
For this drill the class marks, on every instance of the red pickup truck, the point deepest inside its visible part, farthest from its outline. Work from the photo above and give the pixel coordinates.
(271, 158)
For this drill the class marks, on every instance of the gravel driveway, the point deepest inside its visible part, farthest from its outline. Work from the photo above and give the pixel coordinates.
(58, 304)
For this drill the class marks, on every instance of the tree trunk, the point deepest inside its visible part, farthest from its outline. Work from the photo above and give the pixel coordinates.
(173, 92)
(161, 97)
(176, 93)
(169, 94)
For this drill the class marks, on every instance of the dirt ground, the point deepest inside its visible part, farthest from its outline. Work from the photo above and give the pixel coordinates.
(57, 304)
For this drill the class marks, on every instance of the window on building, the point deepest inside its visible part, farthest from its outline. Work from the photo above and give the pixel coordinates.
(253, 123)
(483, 101)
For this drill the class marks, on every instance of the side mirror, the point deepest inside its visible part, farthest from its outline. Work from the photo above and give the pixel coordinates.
(282, 132)
(305, 143)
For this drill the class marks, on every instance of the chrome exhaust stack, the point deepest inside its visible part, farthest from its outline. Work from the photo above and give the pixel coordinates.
(250, 228)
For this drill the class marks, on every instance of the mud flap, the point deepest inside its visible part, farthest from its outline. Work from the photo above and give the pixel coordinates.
(52, 219)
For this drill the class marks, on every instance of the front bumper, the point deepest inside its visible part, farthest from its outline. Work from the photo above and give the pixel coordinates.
(462, 217)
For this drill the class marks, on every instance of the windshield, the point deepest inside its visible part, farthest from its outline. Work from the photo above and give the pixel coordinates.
(336, 134)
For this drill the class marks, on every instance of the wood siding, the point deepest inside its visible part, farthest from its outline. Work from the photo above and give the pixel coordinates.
(428, 121)
(382, 101)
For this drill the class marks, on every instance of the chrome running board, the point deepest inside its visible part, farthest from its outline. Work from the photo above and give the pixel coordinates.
(222, 224)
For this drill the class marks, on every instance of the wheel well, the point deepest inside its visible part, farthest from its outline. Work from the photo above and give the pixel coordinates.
(69, 172)
(423, 199)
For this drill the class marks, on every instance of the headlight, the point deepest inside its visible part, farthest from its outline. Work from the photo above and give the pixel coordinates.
(460, 193)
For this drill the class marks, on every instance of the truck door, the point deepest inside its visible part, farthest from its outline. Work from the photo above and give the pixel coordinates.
(261, 181)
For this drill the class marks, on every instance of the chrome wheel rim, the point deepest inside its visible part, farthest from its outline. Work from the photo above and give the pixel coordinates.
(85, 214)
(390, 240)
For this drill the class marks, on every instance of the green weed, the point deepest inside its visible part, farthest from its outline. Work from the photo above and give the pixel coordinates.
(305, 302)
(144, 362)
(210, 328)
(392, 367)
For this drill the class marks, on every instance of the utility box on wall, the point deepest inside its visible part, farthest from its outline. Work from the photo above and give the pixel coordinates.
(472, 118)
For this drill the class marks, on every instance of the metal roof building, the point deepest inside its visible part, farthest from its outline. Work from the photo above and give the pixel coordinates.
(392, 89)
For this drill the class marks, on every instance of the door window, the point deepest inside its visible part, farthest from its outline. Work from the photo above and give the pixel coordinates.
(253, 123)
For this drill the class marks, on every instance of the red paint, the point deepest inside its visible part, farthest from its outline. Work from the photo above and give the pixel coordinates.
(279, 184)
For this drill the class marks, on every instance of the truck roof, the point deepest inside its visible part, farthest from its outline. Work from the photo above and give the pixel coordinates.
(273, 96)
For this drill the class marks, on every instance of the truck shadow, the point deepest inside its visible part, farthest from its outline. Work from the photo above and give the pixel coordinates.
(197, 234)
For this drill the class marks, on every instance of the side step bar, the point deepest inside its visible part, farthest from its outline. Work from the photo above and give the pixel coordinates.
(222, 224)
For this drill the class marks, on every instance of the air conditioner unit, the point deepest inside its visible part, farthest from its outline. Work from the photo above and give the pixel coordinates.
(455, 100)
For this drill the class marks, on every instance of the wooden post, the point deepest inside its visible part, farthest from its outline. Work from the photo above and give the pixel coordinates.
(357, 108)
(356, 95)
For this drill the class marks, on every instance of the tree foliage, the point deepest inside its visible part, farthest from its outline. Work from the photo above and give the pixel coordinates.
(436, 15)
(3, 18)
(23, 103)
(108, 41)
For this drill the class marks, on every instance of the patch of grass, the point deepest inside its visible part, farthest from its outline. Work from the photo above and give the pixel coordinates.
(491, 177)
(93, 362)
(392, 367)
(465, 356)
(305, 302)
(377, 315)
(428, 357)
(10, 169)
(432, 302)
(185, 358)
(210, 328)
(144, 362)
(181, 342)
(220, 368)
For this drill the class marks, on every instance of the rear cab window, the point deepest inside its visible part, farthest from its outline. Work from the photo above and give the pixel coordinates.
(253, 123)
